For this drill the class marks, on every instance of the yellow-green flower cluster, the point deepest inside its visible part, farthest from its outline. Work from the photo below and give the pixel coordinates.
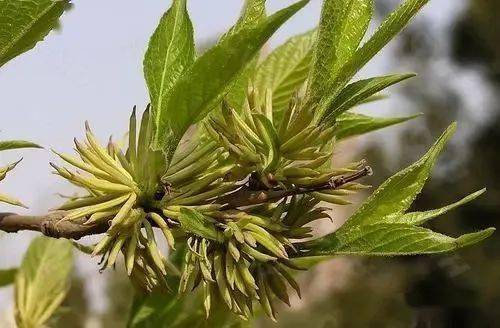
(240, 195)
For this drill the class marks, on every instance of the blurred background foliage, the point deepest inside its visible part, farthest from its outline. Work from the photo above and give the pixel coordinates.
(461, 290)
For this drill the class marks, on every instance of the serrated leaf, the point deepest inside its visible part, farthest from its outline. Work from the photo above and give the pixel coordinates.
(7, 276)
(196, 223)
(23, 23)
(286, 69)
(353, 124)
(17, 144)
(170, 52)
(418, 218)
(380, 226)
(391, 239)
(42, 281)
(207, 81)
(390, 27)
(398, 192)
(359, 91)
(254, 11)
(342, 26)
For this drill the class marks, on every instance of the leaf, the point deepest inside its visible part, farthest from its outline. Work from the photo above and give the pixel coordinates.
(155, 310)
(207, 81)
(391, 239)
(398, 192)
(42, 281)
(195, 222)
(342, 26)
(254, 11)
(23, 23)
(354, 124)
(418, 218)
(170, 52)
(17, 144)
(380, 226)
(7, 276)
(286, 69)
(359, 91)
(390, 27)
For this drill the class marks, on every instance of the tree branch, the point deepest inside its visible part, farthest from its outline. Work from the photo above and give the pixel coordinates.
(46, 224)
(247, 196)
(51, 226)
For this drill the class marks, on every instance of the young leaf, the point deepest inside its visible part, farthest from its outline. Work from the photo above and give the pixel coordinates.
(196, 223)
(42, 281)
(354, 124)
(155, 310)
(209, 78)
(418, 218)
(391, 26)
(170, 52)
(391, 239)
(359, 91)
(254, 11)
(398, 192)
(17, 144)
(286, 69)
(342, 26)
(23, 23)
(7, 277)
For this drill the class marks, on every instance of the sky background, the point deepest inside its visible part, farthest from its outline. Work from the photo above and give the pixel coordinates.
(91, 69)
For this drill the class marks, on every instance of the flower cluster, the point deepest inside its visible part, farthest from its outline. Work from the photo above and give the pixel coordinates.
(240, 195)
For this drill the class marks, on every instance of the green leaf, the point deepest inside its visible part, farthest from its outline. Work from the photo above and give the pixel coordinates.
(286, 69)
(391, 26)
(17, 144)
(196, 223)
(155, 310)
(204, 85)
(254, 11)
(380, 226)
(7, 276)
(418, 218)
(354, 124)
(42, 281)
(23, 23)
(359, 91)
(342, 26)
(391, 239)
(398, 192)
(170, 52)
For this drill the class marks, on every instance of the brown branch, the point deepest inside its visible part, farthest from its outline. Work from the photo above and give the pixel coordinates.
(51, 226)
(46, 224)
(247, 197)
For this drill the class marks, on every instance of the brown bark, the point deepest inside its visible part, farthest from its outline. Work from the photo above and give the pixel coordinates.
(49, 225)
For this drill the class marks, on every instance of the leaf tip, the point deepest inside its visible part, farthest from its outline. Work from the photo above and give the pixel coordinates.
(475, 237)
